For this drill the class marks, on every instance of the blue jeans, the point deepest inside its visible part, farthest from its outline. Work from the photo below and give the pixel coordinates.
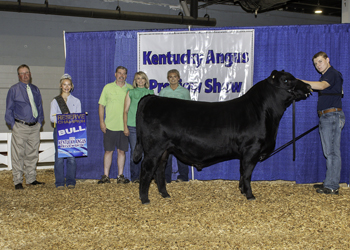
(134, 168)
(59, 167)
(330, 127)
(183, 170)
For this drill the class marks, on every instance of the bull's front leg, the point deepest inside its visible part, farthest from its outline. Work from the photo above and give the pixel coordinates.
(147, 171)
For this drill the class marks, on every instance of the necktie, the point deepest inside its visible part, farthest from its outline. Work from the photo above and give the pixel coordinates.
(32, 103)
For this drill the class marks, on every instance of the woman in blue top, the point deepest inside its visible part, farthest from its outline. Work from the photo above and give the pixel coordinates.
(65, 103)
(141, 85)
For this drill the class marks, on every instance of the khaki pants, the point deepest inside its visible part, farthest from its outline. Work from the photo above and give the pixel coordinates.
(25, 152)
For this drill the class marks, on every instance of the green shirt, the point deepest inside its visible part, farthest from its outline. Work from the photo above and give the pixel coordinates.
(179, 93)
(135, 96)
(113, 97)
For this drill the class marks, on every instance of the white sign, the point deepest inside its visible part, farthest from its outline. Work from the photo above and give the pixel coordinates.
(213, 65)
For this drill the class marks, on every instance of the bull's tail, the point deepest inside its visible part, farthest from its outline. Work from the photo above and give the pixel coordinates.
(137, 155)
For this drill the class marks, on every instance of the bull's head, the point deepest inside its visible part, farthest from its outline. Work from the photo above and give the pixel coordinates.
(284, 80)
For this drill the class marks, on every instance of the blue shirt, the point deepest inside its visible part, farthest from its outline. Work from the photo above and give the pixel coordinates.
(18, 104)
(335, 80)
(73, 105)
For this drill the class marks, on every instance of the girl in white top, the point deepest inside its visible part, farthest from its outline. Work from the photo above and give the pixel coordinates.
(74, 106)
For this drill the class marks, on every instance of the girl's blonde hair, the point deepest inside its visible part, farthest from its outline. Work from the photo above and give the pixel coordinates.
(143, 76)
(64, 77)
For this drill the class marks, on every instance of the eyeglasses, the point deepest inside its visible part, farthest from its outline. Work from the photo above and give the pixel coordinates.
(22, 74)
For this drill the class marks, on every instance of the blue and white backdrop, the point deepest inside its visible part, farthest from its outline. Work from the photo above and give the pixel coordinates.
(92, 57)
(214, 65)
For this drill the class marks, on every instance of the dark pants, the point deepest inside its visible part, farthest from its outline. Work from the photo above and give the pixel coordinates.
(59, 167)
(183, 170)
(135, 168)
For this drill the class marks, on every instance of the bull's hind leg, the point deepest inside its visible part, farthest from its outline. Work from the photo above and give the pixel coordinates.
(246, 170)
(241, 178)
(160, 175)
(148, 167)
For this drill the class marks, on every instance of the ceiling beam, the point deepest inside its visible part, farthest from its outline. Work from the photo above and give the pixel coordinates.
(103, 14)
(316, 5)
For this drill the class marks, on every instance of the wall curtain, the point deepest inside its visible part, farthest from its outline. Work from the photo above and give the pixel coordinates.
(92, 58)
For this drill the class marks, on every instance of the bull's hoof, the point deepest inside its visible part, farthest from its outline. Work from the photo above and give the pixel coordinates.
(251, 198)
(145, 202)
(166, 195)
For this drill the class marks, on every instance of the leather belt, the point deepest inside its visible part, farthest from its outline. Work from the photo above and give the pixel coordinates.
(26, 123)
(328, 111)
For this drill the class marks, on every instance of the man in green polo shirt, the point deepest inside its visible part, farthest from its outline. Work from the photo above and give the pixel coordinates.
(175, 90)
(112, 102)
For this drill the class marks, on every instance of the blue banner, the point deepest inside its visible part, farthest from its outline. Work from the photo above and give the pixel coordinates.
(71, 135)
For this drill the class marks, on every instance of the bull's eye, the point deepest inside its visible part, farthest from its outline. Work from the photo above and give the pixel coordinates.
(285, 80)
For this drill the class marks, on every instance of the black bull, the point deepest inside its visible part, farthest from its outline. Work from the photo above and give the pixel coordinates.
(202, 133)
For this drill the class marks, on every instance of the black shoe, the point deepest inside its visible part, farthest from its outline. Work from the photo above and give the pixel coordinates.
(318, 186)
(19, 186)
(181, 180)
(327, 191)
(136, 181)
(36, 183)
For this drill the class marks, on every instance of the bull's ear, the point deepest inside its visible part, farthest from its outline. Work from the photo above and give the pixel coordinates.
(273, 72)
(272, 76)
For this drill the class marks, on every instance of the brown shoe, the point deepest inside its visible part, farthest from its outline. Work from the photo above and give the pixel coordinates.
(327, 191)
(104, 179)
(122, 179)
